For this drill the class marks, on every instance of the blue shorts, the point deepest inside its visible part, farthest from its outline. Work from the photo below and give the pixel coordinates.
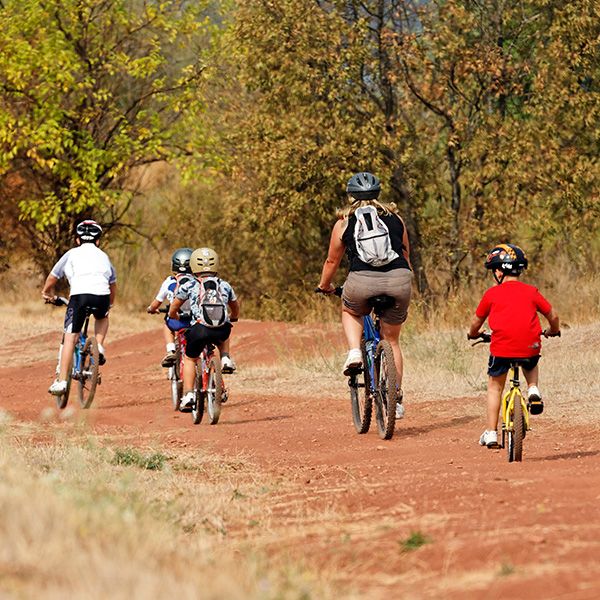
(177, 324)
(498, 365)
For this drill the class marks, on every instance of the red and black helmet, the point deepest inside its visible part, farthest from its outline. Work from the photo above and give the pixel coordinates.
(508, 258)
(88, 231)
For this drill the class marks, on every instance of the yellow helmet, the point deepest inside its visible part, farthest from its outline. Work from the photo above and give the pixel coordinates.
(204, 260)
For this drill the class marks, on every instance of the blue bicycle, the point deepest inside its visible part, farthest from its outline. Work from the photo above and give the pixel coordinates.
(84, 363)
(375, 381)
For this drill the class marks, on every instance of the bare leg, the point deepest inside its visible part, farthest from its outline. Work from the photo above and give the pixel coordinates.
(69, 341)
(224, 346)
(100, 329)
(168, 335)
(391, 333)
(353, 328)
(531, 376)
(494, 399)
(189, 373)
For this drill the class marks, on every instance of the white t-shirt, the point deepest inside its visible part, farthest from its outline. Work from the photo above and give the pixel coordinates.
(167, 292)
(88, 270)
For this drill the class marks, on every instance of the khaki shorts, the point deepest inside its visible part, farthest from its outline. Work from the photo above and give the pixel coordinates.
(362, 285)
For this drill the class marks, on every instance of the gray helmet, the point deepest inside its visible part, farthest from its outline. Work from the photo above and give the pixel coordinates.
(88, 231)
(180, 263)
(363, 186)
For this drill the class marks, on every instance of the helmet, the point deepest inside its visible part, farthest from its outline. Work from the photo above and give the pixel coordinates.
(180, 263)
(88, 231)
(363, 186)
(508, 258)
(204, 260)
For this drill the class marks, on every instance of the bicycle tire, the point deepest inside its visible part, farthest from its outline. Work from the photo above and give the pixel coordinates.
(361, 402)
(518, 430)
(386, 394)
(88, 376)
(61, 401)
(214, 390)
(175, 377)
(198, 408)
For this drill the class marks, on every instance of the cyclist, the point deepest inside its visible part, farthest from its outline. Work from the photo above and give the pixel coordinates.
(180, 266)
(366, 280)
(204, 264)
(511, 308)
(92, 280)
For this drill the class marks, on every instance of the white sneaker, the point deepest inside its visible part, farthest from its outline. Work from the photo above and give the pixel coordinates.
(58, 388)
(227, 364)
(399, 411)
(536, 406)
(353, 361)
(489, 438)
(188, 400)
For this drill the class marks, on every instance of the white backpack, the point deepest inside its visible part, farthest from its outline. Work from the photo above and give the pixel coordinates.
(211, 306)
(372, 238)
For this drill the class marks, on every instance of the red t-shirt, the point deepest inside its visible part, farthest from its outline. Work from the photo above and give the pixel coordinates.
(511, 310)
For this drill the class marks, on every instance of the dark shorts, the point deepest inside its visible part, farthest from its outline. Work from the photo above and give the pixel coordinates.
(362, 285)
(499, 365)
(199, 336)
(77, 307)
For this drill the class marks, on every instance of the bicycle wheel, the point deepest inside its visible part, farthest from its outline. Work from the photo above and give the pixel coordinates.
(214, 390)
(175, 377)
(385, 390)
(360, 394)
(198, 408)
(61, 401)
(88, 376)
(517, 432)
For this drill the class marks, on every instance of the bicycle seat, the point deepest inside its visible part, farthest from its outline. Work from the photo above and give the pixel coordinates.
(381, 302)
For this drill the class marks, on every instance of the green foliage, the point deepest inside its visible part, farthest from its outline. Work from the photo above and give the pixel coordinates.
(89, 92)
(415, 540)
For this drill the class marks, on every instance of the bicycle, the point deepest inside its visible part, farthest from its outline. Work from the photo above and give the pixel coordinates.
(175, 373)
(375, 381)
(84, 364)
(208, 386)
(515, 410)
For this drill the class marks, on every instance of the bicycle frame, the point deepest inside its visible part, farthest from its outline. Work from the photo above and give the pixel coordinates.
(509, 399)
(372, 338)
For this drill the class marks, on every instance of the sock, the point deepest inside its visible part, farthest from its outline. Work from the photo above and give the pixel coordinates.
(101, 348)
(170, 347)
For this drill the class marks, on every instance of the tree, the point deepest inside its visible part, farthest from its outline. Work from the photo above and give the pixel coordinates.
(90, 91)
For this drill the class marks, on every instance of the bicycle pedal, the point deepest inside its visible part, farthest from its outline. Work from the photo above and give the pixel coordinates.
(99, 379)
(495, 446)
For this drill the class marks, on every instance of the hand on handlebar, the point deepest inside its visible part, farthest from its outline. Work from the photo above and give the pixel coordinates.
(484, 337)
(546, 333)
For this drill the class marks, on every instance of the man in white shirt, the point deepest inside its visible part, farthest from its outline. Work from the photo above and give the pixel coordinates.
(92, 279)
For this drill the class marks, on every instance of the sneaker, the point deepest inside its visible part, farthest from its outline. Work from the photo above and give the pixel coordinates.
(354, 361)
(399, 405)
(101, 358)
(489, 439)
(188, 400)
(169, 358)
(536, 406)
(227, 364)
(58, 388)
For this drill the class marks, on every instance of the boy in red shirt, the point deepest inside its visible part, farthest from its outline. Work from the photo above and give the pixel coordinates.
(511, 308)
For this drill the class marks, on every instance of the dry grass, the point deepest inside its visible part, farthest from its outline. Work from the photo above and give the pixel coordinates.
(102, 530)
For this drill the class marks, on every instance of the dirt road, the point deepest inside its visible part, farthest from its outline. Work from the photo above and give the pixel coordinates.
(490, 529)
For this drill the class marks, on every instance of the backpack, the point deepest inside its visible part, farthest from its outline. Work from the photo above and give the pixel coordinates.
(211, 307)
(372, 238)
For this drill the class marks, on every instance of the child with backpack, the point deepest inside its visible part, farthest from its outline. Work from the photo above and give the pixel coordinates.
(210, 298)
(180, 267)
(374, 237)
(511, 308)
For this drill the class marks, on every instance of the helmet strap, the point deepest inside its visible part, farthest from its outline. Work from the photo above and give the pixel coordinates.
(501, 279)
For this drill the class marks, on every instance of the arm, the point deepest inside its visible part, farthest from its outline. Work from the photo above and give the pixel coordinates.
(113, 291)
(153, 306)
(552, 318)
(51, 281)
(174, 308)
(234, 310)
(406, 249)
(334, 257)
(475, 327)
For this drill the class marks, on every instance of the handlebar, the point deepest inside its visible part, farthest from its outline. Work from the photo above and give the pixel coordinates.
(57, 301)
(484, 337)
(337, 292)
(547, 335)
(183, 315)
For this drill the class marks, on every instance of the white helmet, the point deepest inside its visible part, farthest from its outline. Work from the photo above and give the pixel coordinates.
(204, 260)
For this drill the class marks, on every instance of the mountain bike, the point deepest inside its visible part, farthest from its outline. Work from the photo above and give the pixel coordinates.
(375, 381)
(209, 386)
(84, 364)
(514, 407)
